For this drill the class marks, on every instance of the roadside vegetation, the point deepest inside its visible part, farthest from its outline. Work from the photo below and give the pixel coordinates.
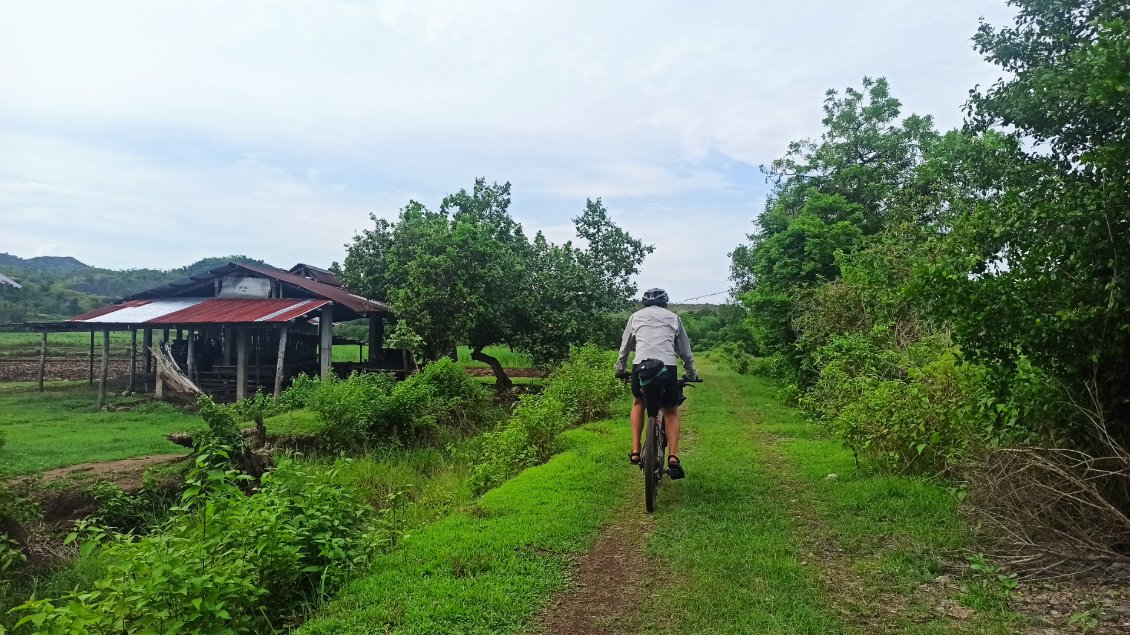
(952, 303)
(291, 529)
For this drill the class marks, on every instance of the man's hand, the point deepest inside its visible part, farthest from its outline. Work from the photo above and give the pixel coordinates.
(623, 376)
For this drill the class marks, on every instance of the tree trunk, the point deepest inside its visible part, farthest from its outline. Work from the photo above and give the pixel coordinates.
(501, 380)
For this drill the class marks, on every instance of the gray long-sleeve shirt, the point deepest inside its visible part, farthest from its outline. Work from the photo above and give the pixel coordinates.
(656, 333)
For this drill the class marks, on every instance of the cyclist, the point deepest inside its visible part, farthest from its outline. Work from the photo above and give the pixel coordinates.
(656, 335)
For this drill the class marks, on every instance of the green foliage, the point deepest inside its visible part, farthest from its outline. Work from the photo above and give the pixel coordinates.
(580, 390)
(139, 512)
(299, 393)
(583, 385)
(371, 408)
(987, 588)
(403, 337)
(467, 273)
(227, 563)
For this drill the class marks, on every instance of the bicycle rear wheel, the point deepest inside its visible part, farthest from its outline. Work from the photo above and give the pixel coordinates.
(650, 464)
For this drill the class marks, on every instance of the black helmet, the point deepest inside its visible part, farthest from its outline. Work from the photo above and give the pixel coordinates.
(655, 297)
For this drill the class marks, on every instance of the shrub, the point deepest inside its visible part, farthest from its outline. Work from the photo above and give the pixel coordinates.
(584, 385)
(581, 389)
(347, 407)
(920, 410)
(228, 563)
(298, 395)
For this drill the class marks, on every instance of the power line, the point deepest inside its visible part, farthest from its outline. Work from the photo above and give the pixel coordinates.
(708, 295)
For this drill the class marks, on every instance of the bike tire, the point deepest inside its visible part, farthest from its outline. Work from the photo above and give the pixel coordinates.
(650, 464)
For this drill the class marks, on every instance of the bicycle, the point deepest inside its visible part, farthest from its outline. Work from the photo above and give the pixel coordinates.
(653, 459)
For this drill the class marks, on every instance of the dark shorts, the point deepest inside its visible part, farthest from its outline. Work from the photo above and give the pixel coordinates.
(664, 391)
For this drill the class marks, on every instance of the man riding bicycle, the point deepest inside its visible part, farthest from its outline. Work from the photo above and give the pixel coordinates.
(656, 335)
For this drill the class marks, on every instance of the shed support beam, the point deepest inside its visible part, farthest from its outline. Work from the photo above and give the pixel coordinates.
(326, 325)
(280, 363)
(241, 364)
(105, 367)
(225, 337)
(191, 356)
(132, 359)
(91, 382)
(147, 344)
(43, 359)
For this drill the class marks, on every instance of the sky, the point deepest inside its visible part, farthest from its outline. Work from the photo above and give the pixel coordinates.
(153, 134)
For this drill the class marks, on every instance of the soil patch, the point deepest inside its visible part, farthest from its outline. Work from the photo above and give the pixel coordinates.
(126, 473)
(608, 581)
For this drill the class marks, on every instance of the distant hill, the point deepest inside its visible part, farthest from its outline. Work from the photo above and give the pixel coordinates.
(41, 263)
(55, 288)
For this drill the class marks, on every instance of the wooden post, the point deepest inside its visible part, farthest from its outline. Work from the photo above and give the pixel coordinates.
(258, 359)
(241, 363)
(132, 358)
(43, 359)
(191, 356)
(147, 344)
(105, 367)
(326, 325)
(376, 338)
(91, 382)
(225, 342)
(279, 363)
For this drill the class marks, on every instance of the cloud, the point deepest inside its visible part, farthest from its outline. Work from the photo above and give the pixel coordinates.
(275, 128)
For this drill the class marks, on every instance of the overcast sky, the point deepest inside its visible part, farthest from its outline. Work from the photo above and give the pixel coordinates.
(140, 134)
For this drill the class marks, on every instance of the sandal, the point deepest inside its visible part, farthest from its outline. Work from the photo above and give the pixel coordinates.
(675, 468)
(634, 458)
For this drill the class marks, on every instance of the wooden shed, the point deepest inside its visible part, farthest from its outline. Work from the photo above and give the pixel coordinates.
(236, 328)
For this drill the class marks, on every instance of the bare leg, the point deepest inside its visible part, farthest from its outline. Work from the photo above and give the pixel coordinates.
(637, 424)
(671, 424)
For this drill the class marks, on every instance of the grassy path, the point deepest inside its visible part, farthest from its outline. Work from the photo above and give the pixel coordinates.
(761, 539)
(758, 539)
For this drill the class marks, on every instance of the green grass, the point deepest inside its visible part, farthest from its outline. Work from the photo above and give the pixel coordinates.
(490, 567)
(505, 356)
(26, 344)
(725, 536)
(63, 426)
(296, 423)
(897, 531)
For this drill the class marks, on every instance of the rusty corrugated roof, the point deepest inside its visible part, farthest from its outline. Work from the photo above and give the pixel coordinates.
(188, 311)
(199, 284)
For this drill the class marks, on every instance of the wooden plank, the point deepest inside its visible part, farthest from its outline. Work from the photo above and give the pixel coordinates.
(43, 359)
(102, 375)
(241, 364)
(280, 364)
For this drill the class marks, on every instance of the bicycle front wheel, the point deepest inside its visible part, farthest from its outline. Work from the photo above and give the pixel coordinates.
(650, 464)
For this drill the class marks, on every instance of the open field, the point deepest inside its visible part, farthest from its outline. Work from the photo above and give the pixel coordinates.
(64, 426)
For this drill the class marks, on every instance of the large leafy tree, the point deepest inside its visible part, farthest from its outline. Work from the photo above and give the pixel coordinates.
(829, 196)
(1040, 270)
(467, 273)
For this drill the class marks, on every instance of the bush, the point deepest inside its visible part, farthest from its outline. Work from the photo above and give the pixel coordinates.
(920, 411)
(583, 384)
(581, 389)
(298, 395)
(228, 563)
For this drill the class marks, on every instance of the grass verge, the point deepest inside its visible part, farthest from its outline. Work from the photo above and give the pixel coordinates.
(491, 566)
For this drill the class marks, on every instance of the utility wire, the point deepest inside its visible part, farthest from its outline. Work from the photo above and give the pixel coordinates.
(708, 295)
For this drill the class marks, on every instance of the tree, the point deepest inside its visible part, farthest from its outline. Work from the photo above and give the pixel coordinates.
(828, 197)
(468, 274)
(1040, 271)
